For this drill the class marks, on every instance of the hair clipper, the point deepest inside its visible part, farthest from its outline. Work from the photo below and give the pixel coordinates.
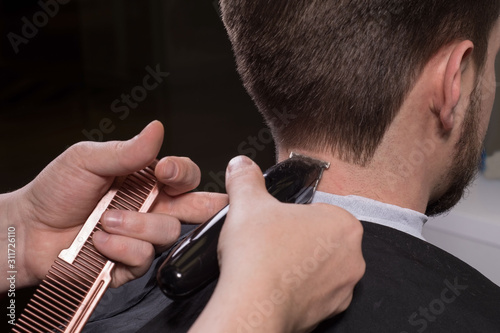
(193, 264)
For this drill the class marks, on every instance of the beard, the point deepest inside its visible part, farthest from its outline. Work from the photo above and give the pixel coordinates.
(466, 160)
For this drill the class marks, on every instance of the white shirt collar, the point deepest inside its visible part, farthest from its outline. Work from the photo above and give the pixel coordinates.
(364, 209)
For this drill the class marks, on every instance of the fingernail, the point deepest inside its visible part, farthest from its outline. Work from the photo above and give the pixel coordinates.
(112, 218)
(169, 170)
(238, 162)
(100, 237)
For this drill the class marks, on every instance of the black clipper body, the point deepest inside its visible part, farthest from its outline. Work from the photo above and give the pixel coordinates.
(193, 263)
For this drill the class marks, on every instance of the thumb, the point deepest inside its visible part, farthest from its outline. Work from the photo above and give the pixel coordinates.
(117, 158)
(244, 181)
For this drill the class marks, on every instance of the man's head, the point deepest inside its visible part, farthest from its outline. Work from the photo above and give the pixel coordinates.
(467, 151)
(344, 68)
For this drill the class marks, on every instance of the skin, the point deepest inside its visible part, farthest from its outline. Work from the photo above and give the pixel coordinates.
(276, 249)
(48, 213)
(47, 219)
(418, 160)
(430, 124)
(439, 129)
(432, 131)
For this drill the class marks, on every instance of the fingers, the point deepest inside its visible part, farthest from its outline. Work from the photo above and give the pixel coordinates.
(158, 229)
(179, 174)
(244, 180)
(117, 158)
(195, 207)
(134, 254)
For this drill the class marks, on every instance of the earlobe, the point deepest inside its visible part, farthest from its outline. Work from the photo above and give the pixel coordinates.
(458, 62)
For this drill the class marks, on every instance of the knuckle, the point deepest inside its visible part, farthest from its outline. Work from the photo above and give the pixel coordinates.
(209, 203)
(344, 304)
(118, 147)
(357, 229)
(78, 150)
(143, 255)
(357, 270)
(361, 269)
(170, 206)
(149, 253)
(173, 230)
(212, 203)
(77, 147)
(135, 223)
(120, 245)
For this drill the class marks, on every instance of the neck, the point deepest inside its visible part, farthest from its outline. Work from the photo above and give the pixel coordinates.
(397, 184)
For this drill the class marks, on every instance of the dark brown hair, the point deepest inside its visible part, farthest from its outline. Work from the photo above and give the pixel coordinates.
(344, 67)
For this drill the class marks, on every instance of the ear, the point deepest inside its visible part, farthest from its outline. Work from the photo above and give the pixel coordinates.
(458, 62)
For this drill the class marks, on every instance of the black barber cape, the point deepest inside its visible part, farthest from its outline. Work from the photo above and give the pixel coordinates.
(412, 286)
(409, 286)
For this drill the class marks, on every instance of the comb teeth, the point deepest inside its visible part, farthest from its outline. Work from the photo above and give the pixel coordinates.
(71, 290)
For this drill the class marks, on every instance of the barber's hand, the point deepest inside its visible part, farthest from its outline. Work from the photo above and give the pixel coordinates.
(284, 267)
(53, 207)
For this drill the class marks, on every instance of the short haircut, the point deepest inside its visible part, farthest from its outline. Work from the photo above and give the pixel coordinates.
(343, 68)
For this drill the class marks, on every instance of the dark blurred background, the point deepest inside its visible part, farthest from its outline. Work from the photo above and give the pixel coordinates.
(62, 68)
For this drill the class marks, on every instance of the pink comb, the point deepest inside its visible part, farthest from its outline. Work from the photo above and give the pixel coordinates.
(80, 275)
